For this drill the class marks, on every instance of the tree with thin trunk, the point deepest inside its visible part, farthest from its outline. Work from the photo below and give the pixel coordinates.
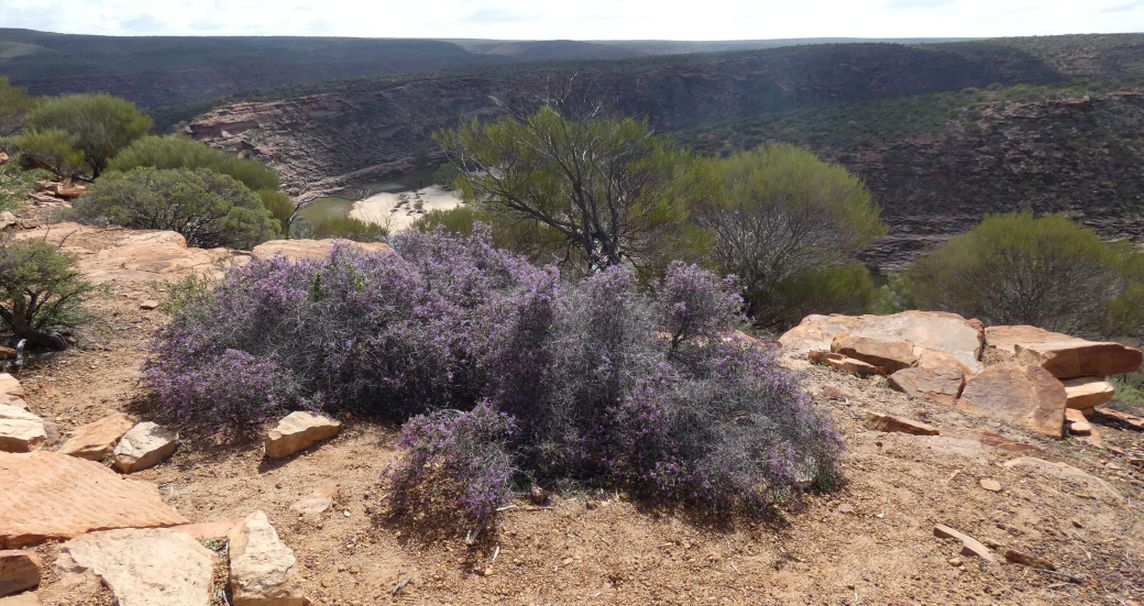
(101, 123)
(40, 292)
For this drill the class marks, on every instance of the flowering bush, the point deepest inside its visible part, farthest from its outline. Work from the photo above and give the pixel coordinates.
(504, 371)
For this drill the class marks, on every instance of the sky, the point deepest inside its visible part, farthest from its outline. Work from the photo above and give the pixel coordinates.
(579, 19)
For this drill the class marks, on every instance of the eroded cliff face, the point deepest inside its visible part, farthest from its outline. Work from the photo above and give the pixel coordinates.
(1081, 157)
(322, 142)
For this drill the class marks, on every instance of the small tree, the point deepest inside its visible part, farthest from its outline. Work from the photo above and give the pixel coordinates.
(40, 290)
(607, 186)
(179, 152)
(1019, 269)
(52, 148)
(103, 124)
(208, 208)
(15, 103)
(781, 213)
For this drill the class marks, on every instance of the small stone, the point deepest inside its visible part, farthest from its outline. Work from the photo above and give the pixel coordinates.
(1028, 559)
(990, 484)
(1077, 424)
(846, 508)
(20, 430)
(262, 567)
(299, 430)
(969, 545)
(19, 571)
(955, 561)
(96, 440)
(149, 304)
(890, 423)
(146, 445)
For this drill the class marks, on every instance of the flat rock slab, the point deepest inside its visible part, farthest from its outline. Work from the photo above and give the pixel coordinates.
(1006, 338)
(969, 545)
(96, 440)
(310, 249)
(48, 495)
(1067, 472)
(262, 567)
(24, 599)
(815, 333)
(299, 430)
(1078, 425)
(19, 571)
(1130, 420)
(144, 566)
(888, 355)
(941, 385)
(10, 386)
(1028, 559)
(20, 430)
(145, 445)
(1086, 393)
(844, 364)
(1027, 395)
(1072, 358)
(890, 423)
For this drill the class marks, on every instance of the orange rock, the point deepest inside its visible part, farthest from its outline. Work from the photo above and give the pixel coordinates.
(1078, 425)
(1085, 393)
(19, 571)
(969, 545)
(942, 385)
(144, 446)
(1006, 338)
(1123, 417)
(1064, 356)
(96, 440)
(20, 430)
(299, 430)
(10, 386)
(844, 364)
(48, 495)
(889, 423)
(887, 355)
(1027, 395)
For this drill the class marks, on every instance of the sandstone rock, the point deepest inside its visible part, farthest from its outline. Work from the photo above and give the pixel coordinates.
(889, 423)
(1005, 339)
(7, 400)
(1078, 425)
(145, 445)
(66, 191)
(262, 567)
(990, 484)
(19, 571)
(310, 249)
(7, 219)
(1067, 472)
(48, 495)
(96, 440)
(9, 386)
(814, 333)
(1027, 395)
(1123, 417)
(144, 566)
(7, 353)
(1028, 559)
(941, 385)
(969, 545)
(20, 430)
(313, 506)
(148, 304)
(202, 531)
(299, 430)
(843, 363)
(887, 355)
(28, 598)
(1085, 393)
(1076, 358)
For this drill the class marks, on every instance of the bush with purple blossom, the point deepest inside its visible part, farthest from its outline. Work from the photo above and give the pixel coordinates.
(505, 372)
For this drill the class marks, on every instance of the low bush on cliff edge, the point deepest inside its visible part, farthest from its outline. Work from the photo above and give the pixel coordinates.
(41, 292)
(505, 371)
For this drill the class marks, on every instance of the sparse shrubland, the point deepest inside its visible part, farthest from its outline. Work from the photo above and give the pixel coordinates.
(209, 209)
(41, 292)
(506, 371)
(16, 183)
(15, 104)
(53, 149)
(347, 228)
(1047, 271)
(102, 125)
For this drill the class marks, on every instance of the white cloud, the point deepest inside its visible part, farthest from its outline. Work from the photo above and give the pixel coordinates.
(584, 19)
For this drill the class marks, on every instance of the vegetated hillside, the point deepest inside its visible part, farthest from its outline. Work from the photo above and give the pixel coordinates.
(165, 72)
(938, 163)
(363, 129)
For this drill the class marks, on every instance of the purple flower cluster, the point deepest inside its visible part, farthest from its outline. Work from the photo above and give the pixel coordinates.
(504, 370)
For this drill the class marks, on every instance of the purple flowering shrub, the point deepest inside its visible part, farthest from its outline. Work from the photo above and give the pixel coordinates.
(504, 372)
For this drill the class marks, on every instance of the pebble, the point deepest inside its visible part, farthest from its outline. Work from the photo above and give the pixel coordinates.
(846, 508)
(991, 485)
(955, 561)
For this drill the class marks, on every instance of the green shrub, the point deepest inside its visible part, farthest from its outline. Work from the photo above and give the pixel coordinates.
(846, 288)
(280, 206)
(53, 148)
(348, 228)
(180, 152)
(208, 208)
(103, 124)
(15, 103)
(16, 183)
(1049, 271)
(40, 291)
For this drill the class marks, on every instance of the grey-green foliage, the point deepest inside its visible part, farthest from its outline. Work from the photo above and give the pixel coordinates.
(15, 103)
(102, 124)
(780, 215)
(40, 291)
(53, 148)
(1045, 271)
(208, 208)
